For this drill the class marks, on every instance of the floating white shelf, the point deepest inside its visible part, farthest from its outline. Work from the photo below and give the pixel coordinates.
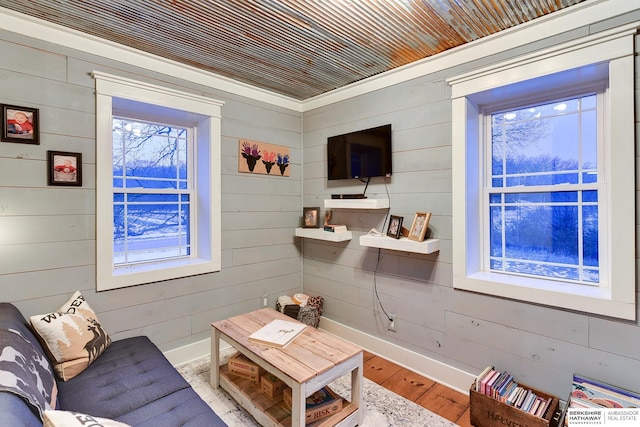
(402, 244)
(356, 203)
(320, 234)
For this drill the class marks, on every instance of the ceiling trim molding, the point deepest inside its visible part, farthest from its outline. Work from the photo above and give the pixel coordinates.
(39, 29)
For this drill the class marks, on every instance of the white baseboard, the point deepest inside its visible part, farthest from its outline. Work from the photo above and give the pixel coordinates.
(190, 352)
(437, 371)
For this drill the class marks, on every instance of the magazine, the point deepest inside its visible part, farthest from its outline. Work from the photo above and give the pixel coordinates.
(586, 392)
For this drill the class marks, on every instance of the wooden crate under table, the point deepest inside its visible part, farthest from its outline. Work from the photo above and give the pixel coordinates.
(320, 411)
(276, 410)
(242, 366)
(272, 385)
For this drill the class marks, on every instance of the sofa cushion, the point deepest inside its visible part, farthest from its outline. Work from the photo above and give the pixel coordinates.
(128, 375)
(75, 419)
(25, 370)
(183, 408)
(134, 383)
(73, 336)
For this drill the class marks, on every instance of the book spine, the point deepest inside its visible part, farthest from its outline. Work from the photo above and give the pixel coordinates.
(483, 384)
(335, 228)
(481, 377)
(488, 389)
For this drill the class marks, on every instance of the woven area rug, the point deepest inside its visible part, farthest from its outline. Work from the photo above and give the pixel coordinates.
(382, 407)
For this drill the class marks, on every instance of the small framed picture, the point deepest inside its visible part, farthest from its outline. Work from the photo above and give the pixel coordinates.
(64, 168)
(419, 226)
(20, 124)
(395, 226)
(310, 217)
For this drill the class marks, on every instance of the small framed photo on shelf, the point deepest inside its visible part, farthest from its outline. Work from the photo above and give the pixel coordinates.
(419, 226)
(20, 124)
(64, 168)
(395, 226)
(310, 217)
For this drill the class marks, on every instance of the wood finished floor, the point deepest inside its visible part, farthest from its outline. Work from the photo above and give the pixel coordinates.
(437, 398)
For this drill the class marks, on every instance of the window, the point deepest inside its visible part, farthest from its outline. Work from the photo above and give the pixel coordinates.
(541, 194)
(152, 192)
(543, 152)
(157, 183)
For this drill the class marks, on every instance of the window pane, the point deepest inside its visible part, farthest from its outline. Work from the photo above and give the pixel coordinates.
(547, 144)
(149, 155)
(151, 231)
(496, 231)
(590, 239)
(590, 196)
(543, 179)
(548, 197)
(591, 276)
(589, 141)
(542, 234)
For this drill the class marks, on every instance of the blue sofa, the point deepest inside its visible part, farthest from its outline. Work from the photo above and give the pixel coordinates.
(132, 382)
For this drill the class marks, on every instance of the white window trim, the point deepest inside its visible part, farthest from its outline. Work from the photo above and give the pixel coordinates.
(205, 114)
(612, 52)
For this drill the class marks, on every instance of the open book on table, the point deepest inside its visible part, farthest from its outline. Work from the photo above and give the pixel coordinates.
(277, 333)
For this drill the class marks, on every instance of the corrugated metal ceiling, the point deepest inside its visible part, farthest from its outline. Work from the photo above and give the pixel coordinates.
(296, 48)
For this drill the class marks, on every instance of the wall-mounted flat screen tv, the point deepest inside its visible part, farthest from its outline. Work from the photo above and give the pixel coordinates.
(361, 154)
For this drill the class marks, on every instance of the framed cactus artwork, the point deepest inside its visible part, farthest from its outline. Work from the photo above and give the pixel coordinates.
(262, 158)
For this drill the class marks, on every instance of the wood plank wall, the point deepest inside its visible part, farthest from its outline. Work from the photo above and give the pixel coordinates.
(541, 346)
(47, 234)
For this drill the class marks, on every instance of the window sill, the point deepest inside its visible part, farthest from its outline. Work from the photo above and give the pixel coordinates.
(156, 272)
(591, 299)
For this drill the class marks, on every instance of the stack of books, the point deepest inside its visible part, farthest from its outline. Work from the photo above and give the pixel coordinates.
(502, 387)
(335, 228)
(589, 393)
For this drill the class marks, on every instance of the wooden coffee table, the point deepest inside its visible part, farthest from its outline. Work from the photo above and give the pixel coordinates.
(311, 361)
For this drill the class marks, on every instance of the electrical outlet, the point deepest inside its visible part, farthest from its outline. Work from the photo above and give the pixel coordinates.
(265, 300)
(392, 323)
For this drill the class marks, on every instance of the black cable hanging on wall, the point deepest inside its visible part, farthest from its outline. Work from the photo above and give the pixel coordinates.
(375, 273)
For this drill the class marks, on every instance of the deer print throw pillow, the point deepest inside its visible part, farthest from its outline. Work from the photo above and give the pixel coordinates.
(72, 335)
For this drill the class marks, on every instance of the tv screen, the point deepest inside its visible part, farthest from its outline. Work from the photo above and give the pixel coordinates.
(362, 154)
